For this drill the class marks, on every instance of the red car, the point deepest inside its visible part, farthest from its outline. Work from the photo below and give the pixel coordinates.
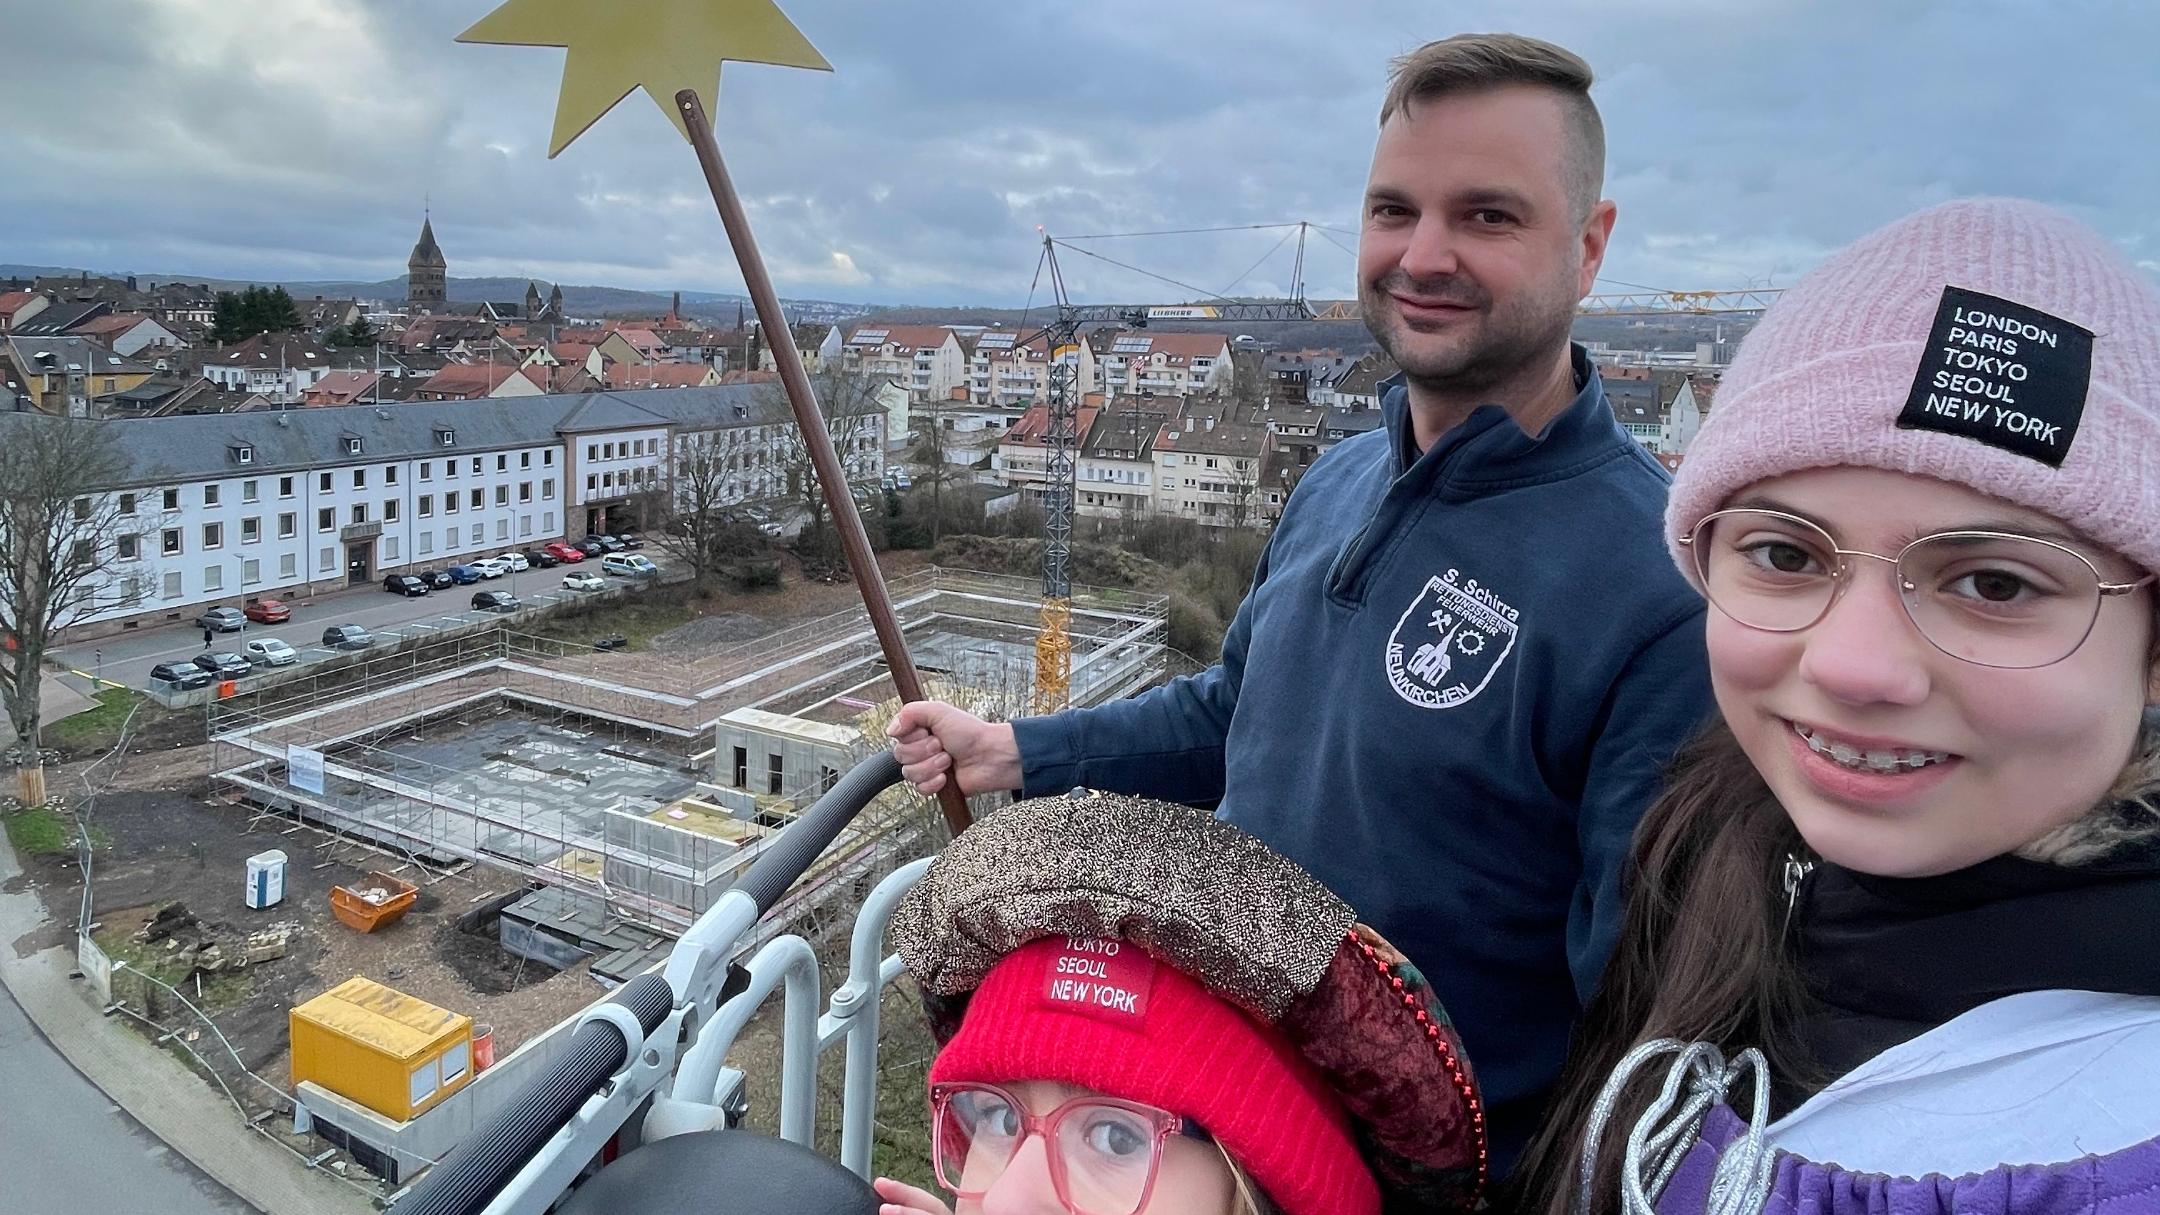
(562, 552)
(268, 611)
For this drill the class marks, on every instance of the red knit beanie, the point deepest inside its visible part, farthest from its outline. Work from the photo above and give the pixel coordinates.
(1104, 1015)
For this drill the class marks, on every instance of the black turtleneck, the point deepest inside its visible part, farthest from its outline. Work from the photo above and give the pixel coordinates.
(1890, 958)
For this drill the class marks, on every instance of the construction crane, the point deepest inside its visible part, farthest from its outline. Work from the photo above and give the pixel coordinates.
(1053, 642)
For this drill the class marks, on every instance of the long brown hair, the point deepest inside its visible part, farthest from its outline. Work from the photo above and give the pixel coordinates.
(1701, 958)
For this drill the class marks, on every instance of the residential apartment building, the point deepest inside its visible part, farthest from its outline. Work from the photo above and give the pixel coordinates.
(1131, 362)
(66, 376)
(280, 366)
(130, 333)
(223, 508)
(1114, 475)
(1022, 456)
(1208, 467)
(927, 360)
(1200, 459)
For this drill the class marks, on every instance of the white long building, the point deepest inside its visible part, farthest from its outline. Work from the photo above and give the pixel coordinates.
(225, 508)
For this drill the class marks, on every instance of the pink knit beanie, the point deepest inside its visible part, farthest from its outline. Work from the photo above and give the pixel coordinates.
(1994, 343)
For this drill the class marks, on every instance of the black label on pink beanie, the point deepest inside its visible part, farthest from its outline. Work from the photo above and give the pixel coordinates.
(2007, 375)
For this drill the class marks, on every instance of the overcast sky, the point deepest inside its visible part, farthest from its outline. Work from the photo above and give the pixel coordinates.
(298, 139)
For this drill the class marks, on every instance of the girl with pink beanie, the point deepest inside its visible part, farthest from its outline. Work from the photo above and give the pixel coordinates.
(1889, 945)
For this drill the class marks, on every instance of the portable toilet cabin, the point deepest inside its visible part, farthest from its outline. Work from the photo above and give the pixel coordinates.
(381, 1048)
(265, 879)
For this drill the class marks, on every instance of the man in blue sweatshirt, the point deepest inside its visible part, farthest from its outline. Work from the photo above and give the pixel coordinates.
(1465, 655)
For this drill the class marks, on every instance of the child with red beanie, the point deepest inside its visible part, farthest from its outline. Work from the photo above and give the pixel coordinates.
(1142, 1009)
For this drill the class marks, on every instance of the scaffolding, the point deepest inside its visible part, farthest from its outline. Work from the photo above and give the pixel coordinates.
(601, 773)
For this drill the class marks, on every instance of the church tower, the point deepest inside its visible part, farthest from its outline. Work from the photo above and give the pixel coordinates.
(426, 272)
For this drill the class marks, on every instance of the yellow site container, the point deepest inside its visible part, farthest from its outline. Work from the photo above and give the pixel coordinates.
(381, 1048)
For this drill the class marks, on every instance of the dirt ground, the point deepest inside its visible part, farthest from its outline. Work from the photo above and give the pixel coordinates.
(168, 845)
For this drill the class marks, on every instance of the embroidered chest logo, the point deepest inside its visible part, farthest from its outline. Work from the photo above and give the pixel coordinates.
(1446, 647)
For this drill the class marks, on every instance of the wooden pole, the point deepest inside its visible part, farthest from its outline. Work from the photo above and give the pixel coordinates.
(832, 478)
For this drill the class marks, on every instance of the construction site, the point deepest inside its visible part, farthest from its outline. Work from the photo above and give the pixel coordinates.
(629, 789)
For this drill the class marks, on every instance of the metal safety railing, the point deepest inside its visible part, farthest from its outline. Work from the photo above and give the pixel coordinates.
(658, 1046)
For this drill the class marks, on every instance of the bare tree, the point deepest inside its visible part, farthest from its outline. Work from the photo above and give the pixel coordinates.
(60, 526)
(936, 470)
(849, 401)
(1243, 488)
(691, 509)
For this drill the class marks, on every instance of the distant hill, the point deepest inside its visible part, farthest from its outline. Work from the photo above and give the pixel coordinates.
(579, 300)
(1651, 333)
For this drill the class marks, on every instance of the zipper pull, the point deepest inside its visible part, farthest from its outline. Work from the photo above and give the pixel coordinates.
(1796, 872)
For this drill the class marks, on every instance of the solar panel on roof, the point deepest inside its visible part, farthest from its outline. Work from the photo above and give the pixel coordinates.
(1131, 345)
(996, 341)
(870, 335)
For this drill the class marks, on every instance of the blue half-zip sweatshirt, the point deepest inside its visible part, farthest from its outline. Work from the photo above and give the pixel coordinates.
(1449, 695)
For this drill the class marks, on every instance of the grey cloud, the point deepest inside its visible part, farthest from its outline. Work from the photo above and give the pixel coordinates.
(298, 138)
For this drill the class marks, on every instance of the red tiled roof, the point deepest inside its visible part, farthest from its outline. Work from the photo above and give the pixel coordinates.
(1189, 345)
(1033, 428)
(106, 328)
(655, 375)
(473, 379)
(339, 388)
(913, 336)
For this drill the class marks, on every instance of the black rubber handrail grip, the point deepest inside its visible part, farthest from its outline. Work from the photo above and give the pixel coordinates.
(790, 854)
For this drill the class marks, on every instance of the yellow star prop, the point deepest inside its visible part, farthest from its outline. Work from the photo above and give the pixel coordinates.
(663, 46)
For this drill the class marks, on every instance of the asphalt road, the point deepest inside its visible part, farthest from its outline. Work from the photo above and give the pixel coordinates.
(68, 1149)
(127, 657)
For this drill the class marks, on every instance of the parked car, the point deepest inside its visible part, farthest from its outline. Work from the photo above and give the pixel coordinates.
(270, 652)
(406, 585)
(609, 543)
(490, 567)
(563, 551)
(464, 575)
(770, 529)
(347, 637)
(515, 562)
(185, 676)
(628, 565)
(580, 580)
(541, 559)
(496, 601)
(590, 546)
(630, 540)
(221, 620)
(437, 579)
(267, 611)
(223, 664)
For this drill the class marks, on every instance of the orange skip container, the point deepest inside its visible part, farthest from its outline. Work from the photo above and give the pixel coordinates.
(373, 901)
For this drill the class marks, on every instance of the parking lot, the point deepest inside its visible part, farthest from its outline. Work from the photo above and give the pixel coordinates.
(128, 657)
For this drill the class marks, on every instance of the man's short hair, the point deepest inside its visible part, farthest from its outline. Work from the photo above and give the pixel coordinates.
(1469, 63)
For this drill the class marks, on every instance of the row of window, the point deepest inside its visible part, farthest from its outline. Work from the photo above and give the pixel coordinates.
(134, 589)
(172, 544)
(622, 451)
(628, 479)
(288, 487)
(479, 464)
